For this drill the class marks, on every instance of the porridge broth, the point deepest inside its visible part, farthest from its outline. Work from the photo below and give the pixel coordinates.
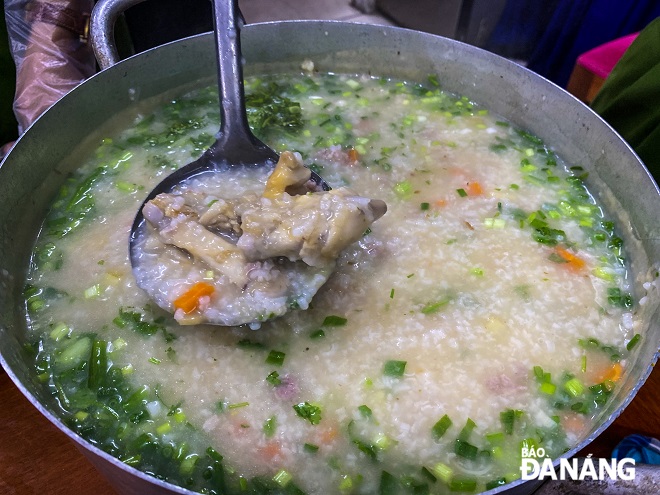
(488, 310)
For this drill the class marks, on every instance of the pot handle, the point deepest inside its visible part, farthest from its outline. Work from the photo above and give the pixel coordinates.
(102, 29)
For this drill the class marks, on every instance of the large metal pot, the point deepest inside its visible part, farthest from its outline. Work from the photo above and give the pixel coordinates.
(32, 173)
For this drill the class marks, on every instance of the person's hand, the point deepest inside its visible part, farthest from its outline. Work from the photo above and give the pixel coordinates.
(56, 57)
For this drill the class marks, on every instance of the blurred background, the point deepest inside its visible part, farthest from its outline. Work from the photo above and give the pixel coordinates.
(548, 36)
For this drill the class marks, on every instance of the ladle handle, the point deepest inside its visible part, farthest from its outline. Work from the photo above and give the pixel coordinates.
(234, 128)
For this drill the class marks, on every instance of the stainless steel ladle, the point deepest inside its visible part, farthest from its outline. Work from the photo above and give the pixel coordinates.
(235, 146)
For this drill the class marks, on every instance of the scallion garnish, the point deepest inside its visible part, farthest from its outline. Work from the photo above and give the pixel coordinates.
(334, 321)
(365, 411)
(276, 358)
(508, 418)
(633, 342)
(282, 478)
(461, 192)
(441, 427)
(270, 426)
(442, 472)
(548, 388)
(434, 306)
(317, 334)
(467, 430)
(308, 411)
(274, 378)
(311, 448)
(394, 368)
(424, 206)
(574, 387)
(465, 449)
(403, 190)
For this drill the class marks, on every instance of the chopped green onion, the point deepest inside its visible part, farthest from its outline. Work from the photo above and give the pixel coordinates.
(276, 358)
(309, 412)
(334, 321)
(317, 334)
(391, 293)
(479, 272)
(93, 291)
(270, 426)
(188, 464)
(494, 223)
(238, 405)
(574, 387)
(382, 441)
(441, 427)
(583, 363)
(311, 448)
(463, 484)
(461, 192)
(633, 342)
(619, 299)
(60, 331)
(467, 430)
(74, 354)
(442, 472)
(424, 206)
(98, 364)
(243, 483)
(403, 190)
(118, 344)
(495, 438)
(603, 274)
(434, 306)
(508, 418)
(164, 428)
(394, 368)
(538, 372)
(126, 186)
(274, 378)
(81, 415)
(365, 411)
(548, 388)
(154, 360)
(346, 483)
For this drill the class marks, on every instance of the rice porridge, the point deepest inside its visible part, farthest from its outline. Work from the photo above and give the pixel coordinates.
(489, 309)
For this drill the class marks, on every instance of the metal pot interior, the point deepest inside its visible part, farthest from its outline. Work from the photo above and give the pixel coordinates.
(32, 173)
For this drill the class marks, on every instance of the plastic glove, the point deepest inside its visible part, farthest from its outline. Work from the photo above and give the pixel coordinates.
(50, 51)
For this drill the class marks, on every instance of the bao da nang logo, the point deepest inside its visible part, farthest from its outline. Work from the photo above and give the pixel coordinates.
(536, 466)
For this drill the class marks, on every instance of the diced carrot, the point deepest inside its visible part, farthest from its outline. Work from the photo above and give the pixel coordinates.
(189, 300)
(270, 451)
(329, 434)
(613, 373)
(440, 203)
(353, 155)
(574, 263)
(474, 189)
(574, 423)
